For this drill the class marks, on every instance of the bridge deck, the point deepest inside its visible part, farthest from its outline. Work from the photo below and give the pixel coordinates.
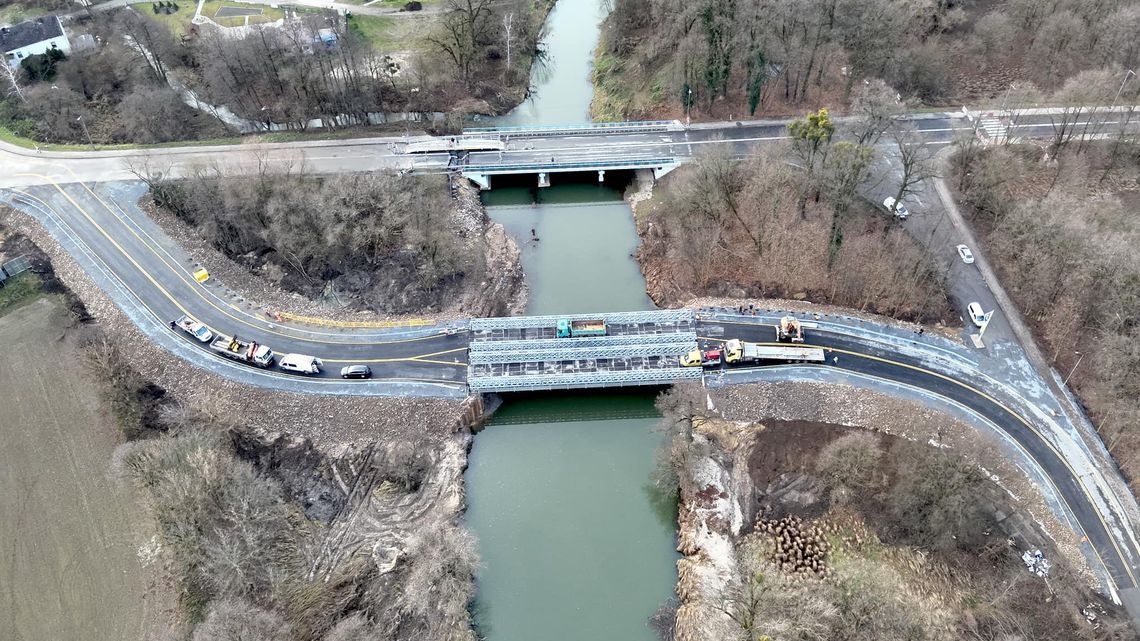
(519, 354)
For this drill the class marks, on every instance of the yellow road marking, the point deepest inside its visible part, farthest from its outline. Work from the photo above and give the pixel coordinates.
(183, 280)
(1076, 477)
(164, 291)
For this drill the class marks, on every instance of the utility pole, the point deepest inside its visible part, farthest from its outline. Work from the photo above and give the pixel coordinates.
(1127, 73)
(85, 131)
(1080, 357)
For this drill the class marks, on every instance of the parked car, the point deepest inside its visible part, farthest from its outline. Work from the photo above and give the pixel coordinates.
(301, 363)
(194, 328)
(966, 254)
(356, 371)
(897, 208)
(974, 310)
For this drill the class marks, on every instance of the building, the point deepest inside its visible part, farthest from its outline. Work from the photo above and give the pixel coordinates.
(32, 37)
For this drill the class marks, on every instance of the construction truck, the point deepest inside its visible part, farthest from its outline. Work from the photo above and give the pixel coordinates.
(790, 330)
(242, 351)
(738, 352)
(577, 328)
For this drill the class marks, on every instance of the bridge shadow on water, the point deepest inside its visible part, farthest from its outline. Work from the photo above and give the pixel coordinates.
(565, 188)
(570, 406)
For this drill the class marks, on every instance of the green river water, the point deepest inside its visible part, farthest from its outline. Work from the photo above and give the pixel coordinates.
(575, 543)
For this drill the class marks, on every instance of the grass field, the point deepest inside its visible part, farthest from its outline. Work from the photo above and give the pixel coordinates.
(18, 290)
(179, 21)
(70, 533)
(379, 30)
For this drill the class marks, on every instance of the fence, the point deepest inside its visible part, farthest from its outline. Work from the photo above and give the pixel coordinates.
(14, 267)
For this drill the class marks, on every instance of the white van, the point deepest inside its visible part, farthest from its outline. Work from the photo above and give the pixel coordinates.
(301, 364)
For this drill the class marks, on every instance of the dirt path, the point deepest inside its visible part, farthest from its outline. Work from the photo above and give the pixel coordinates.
(70, 534)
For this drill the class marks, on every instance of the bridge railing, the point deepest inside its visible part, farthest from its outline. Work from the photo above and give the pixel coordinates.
(598, 127)
(581, 353)
(632, 161)
(597, 342)
(522, 322)
(529, 382)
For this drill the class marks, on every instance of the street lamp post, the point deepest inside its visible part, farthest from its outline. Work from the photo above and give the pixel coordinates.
(1080, 357)
(86, 132)
(1127, 73)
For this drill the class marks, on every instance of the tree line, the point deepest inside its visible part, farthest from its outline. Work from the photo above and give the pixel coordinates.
(475, 58)
(385, 240)
(679, 55)
(766, 227)
(1060, 225)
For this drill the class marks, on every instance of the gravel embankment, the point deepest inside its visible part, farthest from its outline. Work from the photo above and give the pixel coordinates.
(331, 422)
(503, 279)
(855, 407)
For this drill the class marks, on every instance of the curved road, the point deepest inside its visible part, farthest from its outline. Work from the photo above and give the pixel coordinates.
(1119, 557)
(107, 226)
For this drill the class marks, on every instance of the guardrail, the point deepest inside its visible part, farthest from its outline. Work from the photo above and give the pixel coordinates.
(328, 322)
(522, 322)
(584, 164)
(604, 342)
(535, 382)
(592, 127)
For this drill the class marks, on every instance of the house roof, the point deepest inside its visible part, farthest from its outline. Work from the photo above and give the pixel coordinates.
(29, 32)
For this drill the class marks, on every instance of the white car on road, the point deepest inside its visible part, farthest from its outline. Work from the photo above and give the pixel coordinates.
(974, 310)
(966, 254)
(194, 328)
(897, 208)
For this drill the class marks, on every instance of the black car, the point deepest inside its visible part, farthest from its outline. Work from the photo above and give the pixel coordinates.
(356, 371)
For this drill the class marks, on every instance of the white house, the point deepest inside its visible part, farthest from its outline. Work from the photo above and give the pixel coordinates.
(32, 37)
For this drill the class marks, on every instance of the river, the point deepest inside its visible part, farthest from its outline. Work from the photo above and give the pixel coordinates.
(575, 542)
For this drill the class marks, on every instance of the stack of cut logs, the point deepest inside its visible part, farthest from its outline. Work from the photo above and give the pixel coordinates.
(800, 549)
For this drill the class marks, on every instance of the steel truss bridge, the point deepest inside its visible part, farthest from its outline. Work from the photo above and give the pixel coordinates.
(518, 354)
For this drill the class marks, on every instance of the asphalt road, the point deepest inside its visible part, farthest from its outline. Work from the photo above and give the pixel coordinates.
(145, 261)
(155, 271)
(20, 166)
(1119, 558)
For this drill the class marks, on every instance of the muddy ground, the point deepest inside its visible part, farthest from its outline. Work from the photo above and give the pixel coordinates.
(71, 535)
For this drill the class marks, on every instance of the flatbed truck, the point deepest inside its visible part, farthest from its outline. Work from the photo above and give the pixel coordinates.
(578, 328)
(242, 351)
(739, 352)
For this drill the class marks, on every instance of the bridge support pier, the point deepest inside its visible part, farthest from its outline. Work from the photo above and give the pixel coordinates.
(601, 175)
(483, 180)
(543, 179)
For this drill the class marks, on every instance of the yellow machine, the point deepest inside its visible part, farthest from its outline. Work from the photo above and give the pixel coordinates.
(790, 330)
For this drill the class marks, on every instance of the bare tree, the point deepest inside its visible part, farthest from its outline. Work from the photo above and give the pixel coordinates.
(241, 621)
(11, 76)
(847, 168)
(875, 106)
(463, 30)
(916, 159)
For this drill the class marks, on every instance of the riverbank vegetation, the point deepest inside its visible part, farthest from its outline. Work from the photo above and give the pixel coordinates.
(759, 228)
(841, 533)
(722, 60)
(379, 241)
(260, 533)
(129, 84)
(267, 538)
(1059, 225)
